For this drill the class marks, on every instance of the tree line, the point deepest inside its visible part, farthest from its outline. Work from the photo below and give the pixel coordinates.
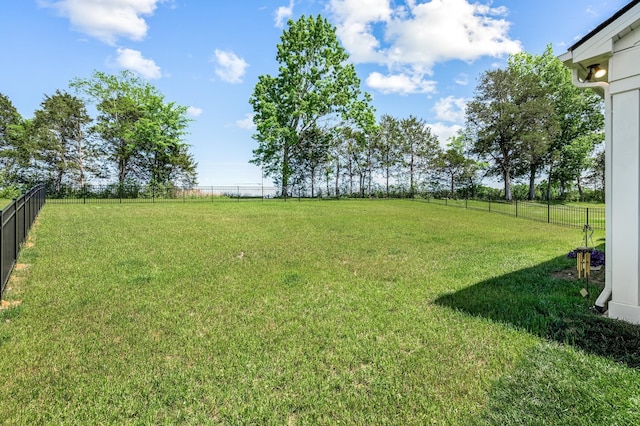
(527, 125)
(135, 138)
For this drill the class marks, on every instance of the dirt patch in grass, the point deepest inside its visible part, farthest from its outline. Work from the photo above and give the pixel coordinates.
(6, 304)
(571, 274)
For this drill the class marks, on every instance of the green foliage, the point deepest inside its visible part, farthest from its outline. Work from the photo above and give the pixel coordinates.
(530, 118)
(507, 119)
(16, 144)
(315, 88)
(66, 153)
(577, 114)
(9, 193)
(141, 133)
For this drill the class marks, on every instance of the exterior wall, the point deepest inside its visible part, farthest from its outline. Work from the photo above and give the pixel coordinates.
(616, 47)
(624, 182)
(625, 216)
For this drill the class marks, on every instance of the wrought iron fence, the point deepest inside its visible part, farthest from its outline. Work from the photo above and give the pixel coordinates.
(115, 193)
(557, 214)
(16, 220)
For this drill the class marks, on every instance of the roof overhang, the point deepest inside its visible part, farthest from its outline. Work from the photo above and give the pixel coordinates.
(598, 46)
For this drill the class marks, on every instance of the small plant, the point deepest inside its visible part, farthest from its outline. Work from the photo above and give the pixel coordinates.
(10, 192)
(597, 256)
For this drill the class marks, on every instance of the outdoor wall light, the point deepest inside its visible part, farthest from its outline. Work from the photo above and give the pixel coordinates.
(595, 72)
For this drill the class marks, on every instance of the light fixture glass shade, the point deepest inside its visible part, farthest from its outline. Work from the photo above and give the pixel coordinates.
(599, 72)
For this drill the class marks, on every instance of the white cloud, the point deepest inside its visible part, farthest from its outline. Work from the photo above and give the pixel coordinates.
(355, 19)
(415, 37)
(444, 132)
(451, 109)
(194, 111)
(246, 122)
(106, 20)
(133, 60)
(283, 14)
(229, 67)
(400, 83)
(462, 79)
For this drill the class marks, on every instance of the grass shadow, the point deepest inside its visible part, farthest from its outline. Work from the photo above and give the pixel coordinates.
(534, 300)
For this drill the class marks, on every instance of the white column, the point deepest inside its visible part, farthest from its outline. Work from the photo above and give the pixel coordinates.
(624, 242)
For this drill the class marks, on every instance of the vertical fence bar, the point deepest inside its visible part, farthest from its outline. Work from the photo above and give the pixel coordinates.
(15, 229)
(25, 208)
(1, 253)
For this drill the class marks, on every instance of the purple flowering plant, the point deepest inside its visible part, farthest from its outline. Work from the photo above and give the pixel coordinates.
(597, 256)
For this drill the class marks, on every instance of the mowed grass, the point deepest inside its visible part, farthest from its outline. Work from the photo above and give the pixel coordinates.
(354, 312)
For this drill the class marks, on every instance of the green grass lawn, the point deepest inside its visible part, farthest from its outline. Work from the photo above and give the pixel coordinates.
(351, 312)
(4, 203)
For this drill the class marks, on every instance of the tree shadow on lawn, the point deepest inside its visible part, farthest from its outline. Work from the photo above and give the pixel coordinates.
(549, 307)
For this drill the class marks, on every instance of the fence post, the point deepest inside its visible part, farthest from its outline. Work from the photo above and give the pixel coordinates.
(516, 208)
(15, 230)
(548, 212)
(587, 215)
(1, 253)
(23, 232)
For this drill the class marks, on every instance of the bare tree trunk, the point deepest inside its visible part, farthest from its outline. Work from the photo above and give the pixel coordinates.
(313, 180)
(452, 187)
(580, 189)
(507, 185)
(549, 183)
(388, 172)
(532, 185)
(337, 178)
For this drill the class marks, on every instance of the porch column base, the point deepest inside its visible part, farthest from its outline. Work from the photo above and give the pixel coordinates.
(624, 312)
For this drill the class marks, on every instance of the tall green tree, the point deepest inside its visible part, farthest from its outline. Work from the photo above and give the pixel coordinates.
(315, 85)
(387, 148)
(142, 135)
(163, 155)
(310, 157)
(16, 143)
(66, 151)
(419, 149)
(575, 126)
(453, 163)
(505, 118)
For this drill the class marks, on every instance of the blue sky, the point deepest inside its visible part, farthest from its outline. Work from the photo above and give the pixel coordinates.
(415, 57)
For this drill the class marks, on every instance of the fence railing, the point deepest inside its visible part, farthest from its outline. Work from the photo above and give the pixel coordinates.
(151, 194)
(557, 214)
(15, 222)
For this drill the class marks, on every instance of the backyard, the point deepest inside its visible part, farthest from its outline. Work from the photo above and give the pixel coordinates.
(336, 312)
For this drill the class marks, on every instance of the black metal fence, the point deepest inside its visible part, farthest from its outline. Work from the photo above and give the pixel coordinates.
(557, 214)
(15, 222)
(115, 193)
